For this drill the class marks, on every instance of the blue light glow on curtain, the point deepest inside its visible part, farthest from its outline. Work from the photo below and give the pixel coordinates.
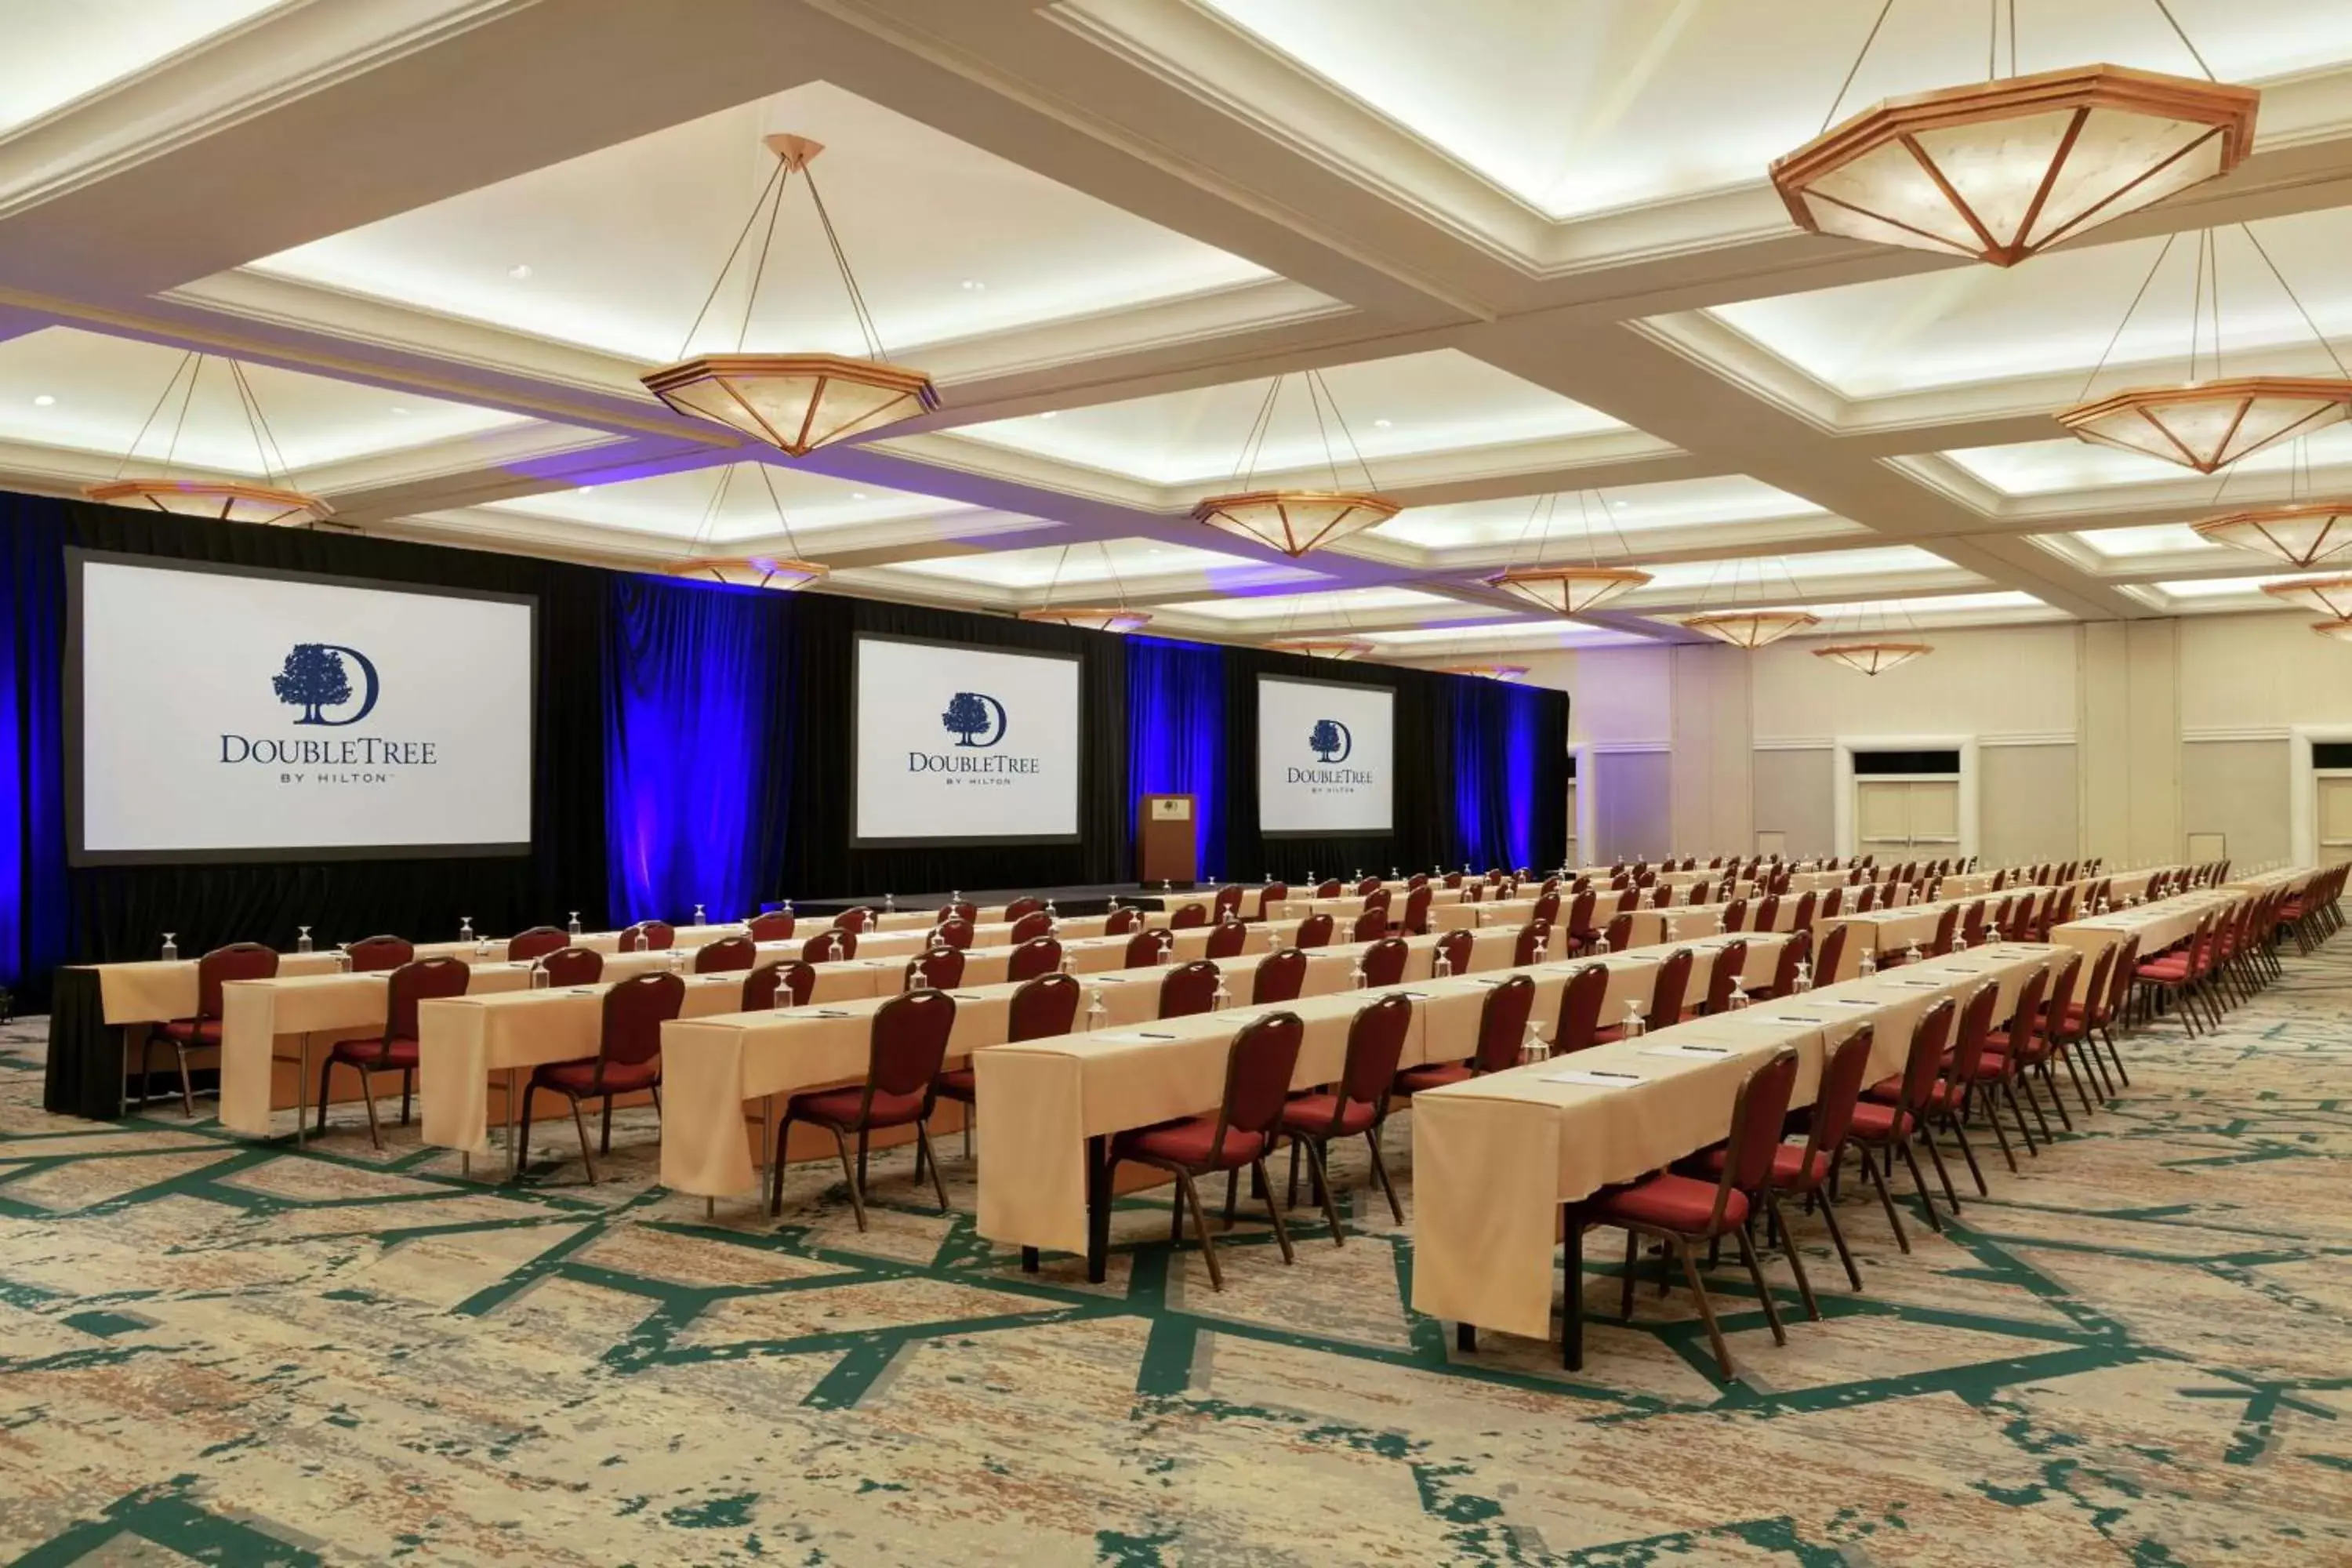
(33, 912)
(1495, 731)
(1176, 730)
(695, 748)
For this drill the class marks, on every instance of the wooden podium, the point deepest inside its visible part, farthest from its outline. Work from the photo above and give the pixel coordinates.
(1165, 848)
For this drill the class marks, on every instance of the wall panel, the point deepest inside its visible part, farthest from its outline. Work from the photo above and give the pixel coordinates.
(1633, 805)
(2027, 804)
(2237, 789)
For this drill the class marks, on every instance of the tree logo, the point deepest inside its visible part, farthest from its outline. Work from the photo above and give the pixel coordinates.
(314, 679)
(1332, 742)
(974, 719)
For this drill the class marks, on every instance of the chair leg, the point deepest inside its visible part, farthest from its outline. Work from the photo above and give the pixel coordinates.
(1837, 1236)
(1960, 1135)
(849, 1174)
(2017, 1114)
(861, 1162)
(580, 1121)
(1705, 1309)
(1927, 1198)
(1936, 1158)
(2066, 1060)
(1322, 1186)
(1885, 1198)
(1789, 1246)
(522, 1128)
(1763, 1291)
(187, 1094)
(1290, 1192)
(1175, 1216)
(776, 1170)
(923, 1148)
(147, 1070)
(1633, 1257)
(325, 1067)
(367, 1093)
(605, 1135)
(1380, 1171)
(1233, 1196)
(1200, 1225)
(1273, 1211)
(2025, 1083)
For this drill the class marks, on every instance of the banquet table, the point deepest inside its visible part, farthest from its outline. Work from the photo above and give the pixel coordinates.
(1893, 931)
(2158, 925)
(1494, 1158)
(1048, 1108)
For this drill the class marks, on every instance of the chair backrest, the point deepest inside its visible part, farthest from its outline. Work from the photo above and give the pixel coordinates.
(960, 910)
(1029, 927)
(2025, 1019)
(1698, 894)
(784, 983)
(1832, 903)
(1120, 922)
(1455, 947)
(1758, 1110)
(635, 1011)
(774, 925)
(1280, 976)
(940, 969)
(826, 946)
(1315, 931)
(371, 953)
(1868, 899)
(1418, 879)
(1375, 1045)
(1370, 926)
(421, 981)
(1546, 909)
(1143, 951)
(1045, 1004)
(1580, 1008)
(237, 960)
(1227, 904)
(1529, 946)
(1973, 922)
(2095, 989)
(1453, 878)
(1730, 964)
(1187, 916)
(1366, 886)
(1969, 1045)
(1804, 918)
(1384, 961)
(535, 942)
(1188, 988)
(1792, 953)
(1672, 982)
(728, 953)
(2062, 991)
(1580, 913)
(1925, 1061)
(1767, 913)
(1416, 909)
(953, 932)
(1227, 938)
(1825, 968)
(1038, 955)
(2126, 961)
(573, 966)
(657, 935)
(908, 1043)
(1275, 893)
(1735, 915)
(1331, 888)
(1023, 906)
(1503, 1024)
(1839, 1091)
(1258, 1067)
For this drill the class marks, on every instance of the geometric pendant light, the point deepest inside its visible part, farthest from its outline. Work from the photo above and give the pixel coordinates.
(1504, 672)
(778, 573)
(1297, 521)
(1569, 590)
(1321, 647)
(1872, 657)
(2331, 597)
(2206, 425)
(1088, 617)
(2307, 533)
(1744, 626)
(796, 401)
(267, 503)
(2340, 630)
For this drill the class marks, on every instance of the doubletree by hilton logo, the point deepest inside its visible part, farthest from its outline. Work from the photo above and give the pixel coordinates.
(978, 722)
(316, 679)
(1332, 742)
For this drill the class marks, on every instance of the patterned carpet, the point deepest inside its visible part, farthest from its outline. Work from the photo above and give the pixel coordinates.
(2137, 1352)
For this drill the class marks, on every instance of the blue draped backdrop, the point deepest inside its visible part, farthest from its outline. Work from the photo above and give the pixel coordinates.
(696, 747)
(1496, 732)
(1176, 734)
(32, 778)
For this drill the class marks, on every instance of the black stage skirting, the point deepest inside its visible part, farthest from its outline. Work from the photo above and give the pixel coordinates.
(1082, 899)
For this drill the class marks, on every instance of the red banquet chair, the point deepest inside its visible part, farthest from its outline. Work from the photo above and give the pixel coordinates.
(1683, 1211)
(1802, 1170)
(1188, 989)
(1227, 938)
(238, 960)
(854, 920)
(772, 926)
(1454, 949)
(628, 1059)
(726, 955)
(1023, 906)
(1370, 926)
(1275, 893)
(830, 946)
(1315, 931)
(1416, 910)
(659, 936)
(1038, 955)
(1187, 916)
(940, 969)
(373, 954)
(1044, 1006)
(1147, 948)
(1895, 1127)
(396, 1051)
(572, 966)
(904, 1054)
(1227, 905)
(1383, 962)
(1279, 977)
(1730, 964)
(962, 909)
(1029, 928)
(535, 942)
(1233, 1138)
(786, 982)
(1529, 946)
(1330, 888)
(1620, 934)
(1579, 1009)
(1355, 1106)
(1502, 1025)
(1121, 921)
(953, 932)
(1665, 997)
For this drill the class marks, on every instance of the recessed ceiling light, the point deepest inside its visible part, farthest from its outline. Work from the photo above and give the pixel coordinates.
(1382, 423)
(1048, 414)
(43, 400)
(520, 271)
(396, 408)
(858, 495)
(975, 286)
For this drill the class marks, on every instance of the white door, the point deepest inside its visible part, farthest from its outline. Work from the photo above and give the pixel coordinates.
(1894, 818)
(2335, 819)
(1573, 859)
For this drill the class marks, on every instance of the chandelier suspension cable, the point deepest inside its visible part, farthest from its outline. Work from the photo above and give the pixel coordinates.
(187, 401)
(1315, 380)
(2129, 310)
(1118, 583)
(265, 440)
(2294, 298)
(2179, 33)
(1253, 443)
(169, 386)
(767, 191)
(782, 517)
(1055, 580)
(1854, 69)
(760, 267)
(872, 333)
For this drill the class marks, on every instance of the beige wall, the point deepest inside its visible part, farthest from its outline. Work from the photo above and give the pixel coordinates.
(2116, 739)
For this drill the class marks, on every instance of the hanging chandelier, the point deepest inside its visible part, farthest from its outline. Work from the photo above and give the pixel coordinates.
(1295, 522)
(1321, 647)
(2331, 597)
(2302, 534)
(1116, 618)
(2210, 420)
(783, 573)
(796, 401)
(2004, 169)
(2340, 630)
(1569, 590)
(1874, 644)
(1504, 672)
(268, 503)
(1749, 627)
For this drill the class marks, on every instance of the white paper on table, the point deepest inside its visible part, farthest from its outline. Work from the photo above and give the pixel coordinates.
(1593, 1080)
(1687, 1052)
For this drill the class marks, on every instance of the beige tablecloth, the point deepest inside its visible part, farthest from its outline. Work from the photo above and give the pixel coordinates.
(2159, 925)
(1494, 1158)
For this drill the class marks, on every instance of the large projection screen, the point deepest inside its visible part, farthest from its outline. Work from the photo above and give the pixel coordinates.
(960, 744)
(232, 713)
(1324, 758)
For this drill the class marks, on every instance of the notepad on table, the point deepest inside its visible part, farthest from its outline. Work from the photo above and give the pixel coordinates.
(1594, 1078)
(1687, 1052)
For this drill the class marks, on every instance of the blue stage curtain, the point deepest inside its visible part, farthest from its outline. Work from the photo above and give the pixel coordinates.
(1497, 735)
(32, 901)
(1176, 733)
(696, 750)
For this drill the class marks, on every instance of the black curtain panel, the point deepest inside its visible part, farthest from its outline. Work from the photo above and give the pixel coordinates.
(119, 912)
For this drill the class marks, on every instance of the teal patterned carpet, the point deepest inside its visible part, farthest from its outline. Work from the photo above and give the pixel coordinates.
(2137, 1352)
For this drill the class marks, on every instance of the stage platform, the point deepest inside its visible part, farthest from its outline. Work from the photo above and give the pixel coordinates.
(1092, 898)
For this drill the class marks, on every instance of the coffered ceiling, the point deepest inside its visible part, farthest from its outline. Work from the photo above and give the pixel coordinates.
(1530, 251)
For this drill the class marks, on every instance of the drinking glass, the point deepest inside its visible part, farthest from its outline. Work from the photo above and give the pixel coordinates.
(538, 977)
(1635, 1027)
(344, 956)
(1444, 968)
(302, 942)
(575, 927)
(172, 948)
(1532, 1049)
(1356, 976)
(698, 915)
(464, 928)
(1097, 1016)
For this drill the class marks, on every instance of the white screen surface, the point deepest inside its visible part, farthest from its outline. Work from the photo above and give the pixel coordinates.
(1324, 757)
(958, 743)
(223, 715)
